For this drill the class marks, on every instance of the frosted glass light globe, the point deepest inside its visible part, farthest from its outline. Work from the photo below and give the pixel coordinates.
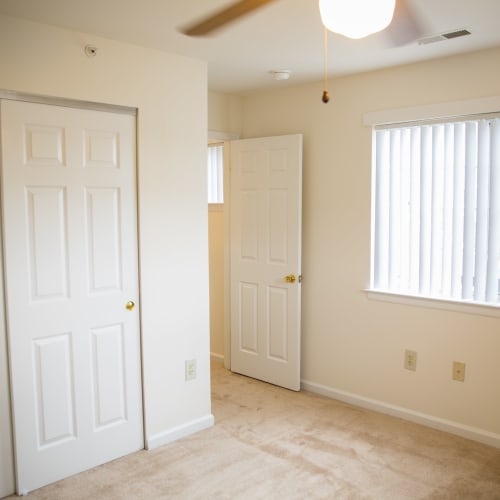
(356, 18)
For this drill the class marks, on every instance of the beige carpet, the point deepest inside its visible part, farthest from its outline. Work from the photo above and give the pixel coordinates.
(270, 443)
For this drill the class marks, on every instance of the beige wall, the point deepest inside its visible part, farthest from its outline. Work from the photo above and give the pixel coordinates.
(171, 97)
(216, 271)
(224, 113)
(351, 344)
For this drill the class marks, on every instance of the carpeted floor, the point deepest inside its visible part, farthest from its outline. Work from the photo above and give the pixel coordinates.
(270, 443)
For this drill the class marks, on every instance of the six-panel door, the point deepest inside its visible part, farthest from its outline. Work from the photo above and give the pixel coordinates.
(266, 217)
(69, 205)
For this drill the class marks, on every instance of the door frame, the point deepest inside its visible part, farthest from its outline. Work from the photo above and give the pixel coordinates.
(7, 467)
(226, 139)
(13, 95)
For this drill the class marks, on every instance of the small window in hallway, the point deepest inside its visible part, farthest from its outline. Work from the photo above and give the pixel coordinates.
(215, 173)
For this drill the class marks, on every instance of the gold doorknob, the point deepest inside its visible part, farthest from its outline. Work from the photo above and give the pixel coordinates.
(130, 305)
(290, 278)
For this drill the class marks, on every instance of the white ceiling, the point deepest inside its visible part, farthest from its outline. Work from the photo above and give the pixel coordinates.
(286, 34)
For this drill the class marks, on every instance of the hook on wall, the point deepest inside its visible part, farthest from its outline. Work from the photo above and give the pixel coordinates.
(90, 50)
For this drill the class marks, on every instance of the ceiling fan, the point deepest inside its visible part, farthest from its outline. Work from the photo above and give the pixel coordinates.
(403, 28)
(352, 18)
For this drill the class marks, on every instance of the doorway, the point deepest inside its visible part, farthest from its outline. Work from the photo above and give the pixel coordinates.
(262, 256)
(219, 247)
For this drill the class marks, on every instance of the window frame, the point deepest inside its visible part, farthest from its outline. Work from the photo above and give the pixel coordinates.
(438, 112)
(220, 182)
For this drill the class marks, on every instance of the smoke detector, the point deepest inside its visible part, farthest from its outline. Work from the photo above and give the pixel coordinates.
(281, 74)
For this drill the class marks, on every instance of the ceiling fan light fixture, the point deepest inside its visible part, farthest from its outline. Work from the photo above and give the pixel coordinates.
(356, 18)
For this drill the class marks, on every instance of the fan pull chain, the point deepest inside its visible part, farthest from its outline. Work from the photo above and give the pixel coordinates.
(326, 94)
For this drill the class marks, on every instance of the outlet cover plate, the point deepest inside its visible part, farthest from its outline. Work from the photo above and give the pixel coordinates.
(190, 369)
(410, 360)
(458, 371)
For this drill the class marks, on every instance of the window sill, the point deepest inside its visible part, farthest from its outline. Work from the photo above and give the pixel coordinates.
(435, 303)
(216, 207)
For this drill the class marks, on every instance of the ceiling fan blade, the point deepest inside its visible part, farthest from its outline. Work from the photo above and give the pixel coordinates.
(224, 16)
(405, 26)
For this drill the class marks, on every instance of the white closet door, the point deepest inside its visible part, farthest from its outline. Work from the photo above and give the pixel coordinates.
(71, 267)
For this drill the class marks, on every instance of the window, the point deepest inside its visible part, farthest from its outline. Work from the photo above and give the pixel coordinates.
(215, 173)
(436, 209)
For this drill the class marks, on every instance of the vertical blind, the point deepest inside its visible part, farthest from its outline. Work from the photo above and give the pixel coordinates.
(215, 173)
(436, 210)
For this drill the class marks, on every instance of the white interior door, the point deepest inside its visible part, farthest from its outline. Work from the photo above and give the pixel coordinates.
(265, 228)
(69, 213)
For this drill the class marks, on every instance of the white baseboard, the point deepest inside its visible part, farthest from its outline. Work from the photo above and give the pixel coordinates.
(217, 357)
(441, 424)
(179, 432)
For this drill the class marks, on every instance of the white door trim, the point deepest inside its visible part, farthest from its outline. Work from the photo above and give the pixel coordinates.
(13, 95)
(7, 471)
(227, 255)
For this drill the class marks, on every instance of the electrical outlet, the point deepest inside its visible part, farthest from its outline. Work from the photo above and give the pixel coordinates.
(190, 369)
(411, 360)
(458, 371)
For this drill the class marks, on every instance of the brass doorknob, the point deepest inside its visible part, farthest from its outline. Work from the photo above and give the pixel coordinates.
(130, 305)
(290, 278)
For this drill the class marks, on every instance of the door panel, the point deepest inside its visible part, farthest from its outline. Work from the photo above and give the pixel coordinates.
(265, 248)
(248, 324)
(108, 376)
(54, 388)
(47, 244)
(278, 313)
(103, 239)
(69, 209)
